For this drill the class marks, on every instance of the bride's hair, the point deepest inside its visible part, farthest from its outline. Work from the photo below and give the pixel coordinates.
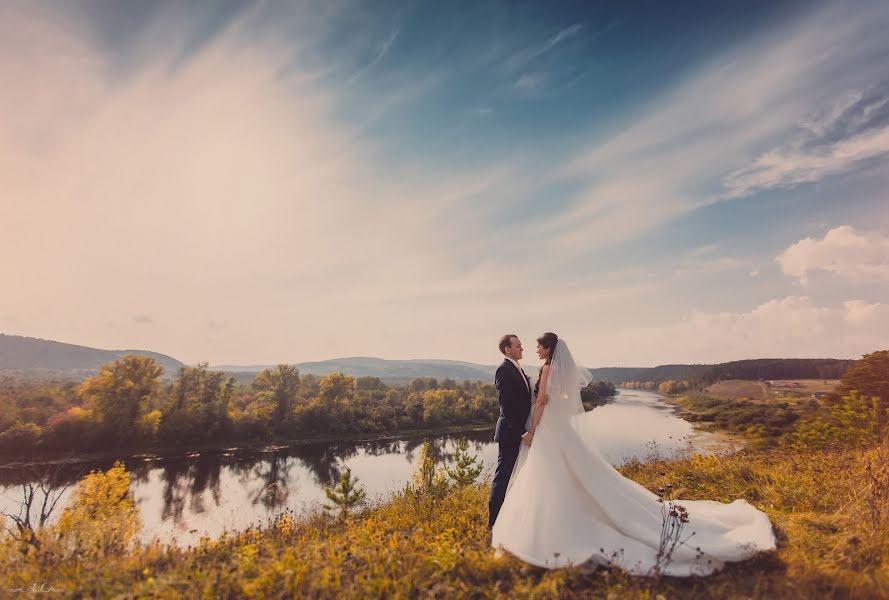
(548, 340)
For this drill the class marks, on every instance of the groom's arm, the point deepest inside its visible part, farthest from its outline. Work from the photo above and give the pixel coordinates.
(506, 394)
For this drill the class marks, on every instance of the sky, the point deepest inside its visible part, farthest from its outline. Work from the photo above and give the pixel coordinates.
(258, 183)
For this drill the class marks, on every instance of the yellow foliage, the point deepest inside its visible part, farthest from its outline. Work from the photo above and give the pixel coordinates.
(284, 525)
(149, 423)
(78, 412)
(101, 512)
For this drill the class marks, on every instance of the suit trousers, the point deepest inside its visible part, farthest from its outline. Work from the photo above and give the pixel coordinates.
(507, 455)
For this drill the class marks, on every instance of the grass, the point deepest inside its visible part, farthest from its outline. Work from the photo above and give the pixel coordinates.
(762, 423)
(822, 505)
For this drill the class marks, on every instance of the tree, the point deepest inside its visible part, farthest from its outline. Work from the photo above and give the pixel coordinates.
(122, 392)
(278, 386)
(428, 485)
(28, 523)
(200, 405)
(672, 387)
(437, 405)
(869, 377)
(852, 421)
(346, 496)
(370, 384)
(336, 386)
(467, 467)
(102, 513)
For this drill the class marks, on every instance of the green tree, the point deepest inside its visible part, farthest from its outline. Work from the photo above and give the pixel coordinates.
(467, 467)
(346, 495)
(279, 387)
(428, 485)
(122, 392)
(200, 404)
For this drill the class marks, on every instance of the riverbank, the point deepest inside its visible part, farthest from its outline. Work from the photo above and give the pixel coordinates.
(163, 451)
(757, 423)
(45, 457)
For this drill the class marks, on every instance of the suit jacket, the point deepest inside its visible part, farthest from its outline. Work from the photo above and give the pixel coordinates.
(514, 398)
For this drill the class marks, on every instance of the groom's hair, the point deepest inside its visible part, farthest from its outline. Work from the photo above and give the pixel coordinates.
(506, 342)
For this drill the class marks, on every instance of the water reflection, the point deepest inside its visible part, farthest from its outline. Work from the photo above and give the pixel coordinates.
(184, 497)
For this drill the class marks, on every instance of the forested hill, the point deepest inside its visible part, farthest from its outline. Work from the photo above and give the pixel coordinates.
(36, 356)
(384, 369)
(760, 368)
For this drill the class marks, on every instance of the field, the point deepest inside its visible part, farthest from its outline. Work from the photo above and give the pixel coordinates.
(737, 389)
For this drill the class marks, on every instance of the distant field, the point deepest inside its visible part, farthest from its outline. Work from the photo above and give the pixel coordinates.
(736, 389)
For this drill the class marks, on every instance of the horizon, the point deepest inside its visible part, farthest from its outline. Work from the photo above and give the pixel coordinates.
(523, 360)
(691, 183)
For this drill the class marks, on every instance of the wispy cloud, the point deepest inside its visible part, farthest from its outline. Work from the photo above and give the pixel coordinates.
(692, 141)
(384, 47)
(832, 143)
(528, 81)
(229, 187)
(529, 54)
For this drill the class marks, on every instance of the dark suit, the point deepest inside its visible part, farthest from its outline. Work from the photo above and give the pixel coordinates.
(514, 397)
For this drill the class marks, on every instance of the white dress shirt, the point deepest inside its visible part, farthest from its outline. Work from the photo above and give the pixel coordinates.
(519, 367)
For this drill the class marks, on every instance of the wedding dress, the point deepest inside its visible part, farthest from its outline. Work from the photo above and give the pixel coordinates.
(567, 505)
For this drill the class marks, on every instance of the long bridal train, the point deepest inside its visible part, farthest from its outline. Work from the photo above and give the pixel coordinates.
(567, 505)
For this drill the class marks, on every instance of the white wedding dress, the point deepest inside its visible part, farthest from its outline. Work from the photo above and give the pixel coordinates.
(567, 505)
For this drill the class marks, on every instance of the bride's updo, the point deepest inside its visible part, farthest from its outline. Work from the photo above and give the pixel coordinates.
(548, 340)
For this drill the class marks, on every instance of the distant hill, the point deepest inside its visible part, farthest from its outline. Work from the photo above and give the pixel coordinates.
(384, 369)
(45, 358)
(754, 369)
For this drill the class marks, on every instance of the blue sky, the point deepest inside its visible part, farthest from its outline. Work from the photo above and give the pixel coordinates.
(279, 182)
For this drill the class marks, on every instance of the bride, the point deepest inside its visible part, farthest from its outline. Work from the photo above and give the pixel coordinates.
(566, 505)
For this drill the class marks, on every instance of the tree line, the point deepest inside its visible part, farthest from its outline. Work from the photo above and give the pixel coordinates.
(128, 406)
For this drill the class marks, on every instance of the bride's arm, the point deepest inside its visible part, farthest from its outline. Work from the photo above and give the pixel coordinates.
(542, 399)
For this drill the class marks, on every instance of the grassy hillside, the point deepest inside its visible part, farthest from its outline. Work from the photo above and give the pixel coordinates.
(830, 511)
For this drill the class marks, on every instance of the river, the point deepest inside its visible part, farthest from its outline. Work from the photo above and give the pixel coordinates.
(183, 497)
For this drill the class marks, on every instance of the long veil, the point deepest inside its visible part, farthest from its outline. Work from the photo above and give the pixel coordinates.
(565, 381)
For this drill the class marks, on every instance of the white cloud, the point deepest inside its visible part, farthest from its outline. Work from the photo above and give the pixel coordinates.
(844, 251)
(793, 326)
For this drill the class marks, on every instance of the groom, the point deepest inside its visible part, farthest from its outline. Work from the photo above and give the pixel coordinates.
(514, 397)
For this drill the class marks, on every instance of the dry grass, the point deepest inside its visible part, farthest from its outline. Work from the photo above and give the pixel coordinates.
(781, 390)
(830, 510)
